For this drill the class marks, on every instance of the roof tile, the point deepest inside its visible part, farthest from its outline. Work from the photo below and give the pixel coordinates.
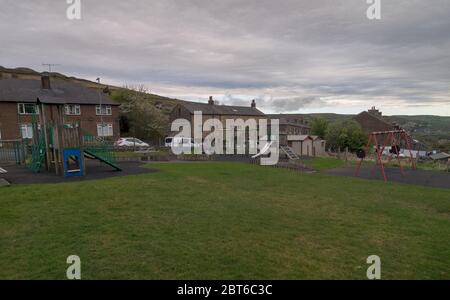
(62, 92)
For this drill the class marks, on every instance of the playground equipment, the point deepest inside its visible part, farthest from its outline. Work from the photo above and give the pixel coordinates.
(3, 182)
(98, 148)
(289, 153)
(378, 141)
(62, 147)
(264, 150)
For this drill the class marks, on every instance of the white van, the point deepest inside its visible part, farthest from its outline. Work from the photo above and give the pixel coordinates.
(187, 143)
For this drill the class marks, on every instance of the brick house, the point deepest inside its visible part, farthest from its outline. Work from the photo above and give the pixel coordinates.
(372, 120)
(291, 124)
(210, 110)
(92, 109)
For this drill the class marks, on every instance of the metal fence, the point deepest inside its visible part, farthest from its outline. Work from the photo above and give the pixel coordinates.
(12, 151)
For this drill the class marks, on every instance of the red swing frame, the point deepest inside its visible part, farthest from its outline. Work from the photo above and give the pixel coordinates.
(392, 138)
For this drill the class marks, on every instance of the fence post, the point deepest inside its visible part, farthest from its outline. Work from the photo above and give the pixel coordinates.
(16, 152)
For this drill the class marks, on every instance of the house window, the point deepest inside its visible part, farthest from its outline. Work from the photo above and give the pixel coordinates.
(26, 131)
(72, 109)
(103, 110)
(27, 108)
(105, 129)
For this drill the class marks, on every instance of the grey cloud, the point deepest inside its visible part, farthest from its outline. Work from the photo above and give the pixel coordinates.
(294, 104)
(289, 54)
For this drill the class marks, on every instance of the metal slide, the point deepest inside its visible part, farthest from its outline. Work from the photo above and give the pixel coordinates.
(263, 150)
(91, 154)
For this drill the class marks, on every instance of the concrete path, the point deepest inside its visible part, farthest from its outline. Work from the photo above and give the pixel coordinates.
(419, 177)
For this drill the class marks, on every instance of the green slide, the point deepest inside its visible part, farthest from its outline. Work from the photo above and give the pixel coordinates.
(96, 155)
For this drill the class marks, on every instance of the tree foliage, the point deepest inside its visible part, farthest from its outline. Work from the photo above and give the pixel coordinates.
(138, 116)
(319, 127)
(346, 134)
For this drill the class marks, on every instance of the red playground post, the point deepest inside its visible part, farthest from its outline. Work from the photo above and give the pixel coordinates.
(379, 140)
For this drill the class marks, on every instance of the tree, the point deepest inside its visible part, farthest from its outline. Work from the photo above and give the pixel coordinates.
(346, 134)
(139, 116)
(319, 127)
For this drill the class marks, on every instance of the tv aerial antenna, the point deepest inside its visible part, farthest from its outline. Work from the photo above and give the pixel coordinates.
(50, 66)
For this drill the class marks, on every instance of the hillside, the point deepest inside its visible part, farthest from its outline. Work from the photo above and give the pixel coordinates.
(434, 131)
(425, 125)
(166, 104)
(431, 130)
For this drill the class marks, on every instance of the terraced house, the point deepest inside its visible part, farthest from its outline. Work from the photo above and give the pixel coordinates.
(291, 125)
(211, 110)
(91, 108)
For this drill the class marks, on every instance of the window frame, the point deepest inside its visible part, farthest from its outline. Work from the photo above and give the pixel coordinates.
(28, 130)
(22, 111)
(71, 109)
(109, 127)
(107, 108)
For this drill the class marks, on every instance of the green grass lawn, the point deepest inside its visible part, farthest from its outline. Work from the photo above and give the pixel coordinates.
(323, 163)
(326, 163)
(421, 165)
(224, 221)
(120, 154)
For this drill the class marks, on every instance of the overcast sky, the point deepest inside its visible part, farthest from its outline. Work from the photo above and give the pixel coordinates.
(291, 56)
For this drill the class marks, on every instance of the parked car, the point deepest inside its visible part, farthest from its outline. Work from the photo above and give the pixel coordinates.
(130, 142)
(185, 143)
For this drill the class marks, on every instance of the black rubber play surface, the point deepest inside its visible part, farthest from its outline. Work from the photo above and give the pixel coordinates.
(418, 177)
(95, 170)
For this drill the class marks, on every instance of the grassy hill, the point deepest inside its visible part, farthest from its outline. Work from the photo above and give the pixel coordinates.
(330, 117)
(165, 103)
(434, 131)
(428, 129)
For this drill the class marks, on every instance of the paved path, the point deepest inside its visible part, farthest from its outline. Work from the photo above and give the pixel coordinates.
(22, 175)
(418, 177)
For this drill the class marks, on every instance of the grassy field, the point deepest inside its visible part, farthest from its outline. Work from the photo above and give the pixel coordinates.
(224, 221)
(324, 163)
(327, 163)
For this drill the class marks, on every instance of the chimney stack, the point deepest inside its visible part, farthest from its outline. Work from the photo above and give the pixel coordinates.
(45, 81)
(211, 101)
(375, 112)
(253, 105)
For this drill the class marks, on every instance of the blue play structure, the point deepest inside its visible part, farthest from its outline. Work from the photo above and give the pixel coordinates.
(73, 163)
